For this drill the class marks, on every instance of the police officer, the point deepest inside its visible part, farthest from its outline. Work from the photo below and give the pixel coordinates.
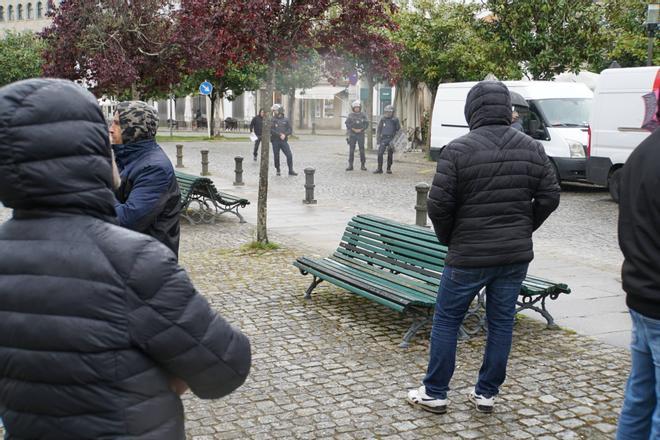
(387, 129)
(356, 124)
(279, 134)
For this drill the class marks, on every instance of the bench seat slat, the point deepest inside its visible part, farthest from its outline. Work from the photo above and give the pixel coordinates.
(391, 239)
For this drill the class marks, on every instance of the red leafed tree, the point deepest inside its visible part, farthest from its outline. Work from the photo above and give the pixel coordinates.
(281, 30)
(114, 45)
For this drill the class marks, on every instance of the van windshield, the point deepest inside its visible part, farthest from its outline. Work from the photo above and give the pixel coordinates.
(565, 112)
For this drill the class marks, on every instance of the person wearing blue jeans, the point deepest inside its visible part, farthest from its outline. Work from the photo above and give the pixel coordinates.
(493, 187)
(458, 287)
(639, 239)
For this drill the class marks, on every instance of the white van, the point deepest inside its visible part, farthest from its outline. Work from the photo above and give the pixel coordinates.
(625, 105)
(557, 115)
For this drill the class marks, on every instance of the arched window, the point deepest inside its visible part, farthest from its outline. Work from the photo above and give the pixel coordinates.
(2, 14)
(30, 14)
(10, 13)
(40, 11)
(19, 12)
(49, 6)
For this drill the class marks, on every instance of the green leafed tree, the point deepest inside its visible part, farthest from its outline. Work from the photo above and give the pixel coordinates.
(548, 36)
(20, 57)
(303, 74)
(445, 41)
(626, 35)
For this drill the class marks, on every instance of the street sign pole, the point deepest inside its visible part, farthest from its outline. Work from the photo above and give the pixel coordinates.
(206, 88)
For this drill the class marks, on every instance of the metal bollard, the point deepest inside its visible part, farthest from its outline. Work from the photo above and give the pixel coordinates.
(238, 181)
(179, 156)
(309, 186)
(205, 163)
(421, 208)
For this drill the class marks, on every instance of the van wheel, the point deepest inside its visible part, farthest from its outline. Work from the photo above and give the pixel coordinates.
(557, 175)
(614, 183)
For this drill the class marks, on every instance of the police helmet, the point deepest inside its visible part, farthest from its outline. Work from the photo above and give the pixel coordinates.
(388, 109)
(356, 104)
(276, 108)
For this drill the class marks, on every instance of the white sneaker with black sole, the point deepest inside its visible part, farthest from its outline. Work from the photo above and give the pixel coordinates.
(420, 399)
(483, 404)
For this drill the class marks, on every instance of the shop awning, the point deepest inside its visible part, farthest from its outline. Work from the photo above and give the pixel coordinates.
(320, 92)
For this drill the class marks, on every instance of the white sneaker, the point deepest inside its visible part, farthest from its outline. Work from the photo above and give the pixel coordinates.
(419, 398)
(483, 404)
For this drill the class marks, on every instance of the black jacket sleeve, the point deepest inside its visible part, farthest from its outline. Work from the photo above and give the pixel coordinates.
(442, 197)
(175, 326)
(546, 196)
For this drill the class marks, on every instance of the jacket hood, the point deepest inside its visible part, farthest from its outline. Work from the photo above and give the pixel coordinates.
(54, 149)
(488, 103)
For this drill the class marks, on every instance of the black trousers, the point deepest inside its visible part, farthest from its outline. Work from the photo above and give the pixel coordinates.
(352, 140)
(256, 146)
(385, 145)
(283, 146)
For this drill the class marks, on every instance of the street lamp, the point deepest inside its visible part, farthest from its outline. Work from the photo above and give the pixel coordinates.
(652, 16)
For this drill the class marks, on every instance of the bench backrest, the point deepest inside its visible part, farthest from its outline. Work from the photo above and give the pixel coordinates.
(388, 244)
(407, 249)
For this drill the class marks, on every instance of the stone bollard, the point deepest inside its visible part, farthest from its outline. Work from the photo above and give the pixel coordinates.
(421, 208)
(205, 163)
(238, 181)
(309, 186)
(179, 156)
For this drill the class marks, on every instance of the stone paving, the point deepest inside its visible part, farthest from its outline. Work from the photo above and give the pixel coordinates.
(331, 368)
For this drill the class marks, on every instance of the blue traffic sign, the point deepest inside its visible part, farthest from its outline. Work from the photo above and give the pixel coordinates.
(205, 88)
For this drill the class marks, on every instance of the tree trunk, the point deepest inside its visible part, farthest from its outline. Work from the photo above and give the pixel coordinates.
(262, 202)
(427, 141)
(135, 94)
(292, 103)
(370, 111)
(213, 97)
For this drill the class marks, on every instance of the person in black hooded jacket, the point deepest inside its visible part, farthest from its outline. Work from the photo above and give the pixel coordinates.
(493, 188)
(100, 329)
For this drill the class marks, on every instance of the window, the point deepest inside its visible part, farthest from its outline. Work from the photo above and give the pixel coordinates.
(49, 6)
(39, 10)
(30, 15)
(10, 13)
(2, 14)
(328, 108)
(19, 13)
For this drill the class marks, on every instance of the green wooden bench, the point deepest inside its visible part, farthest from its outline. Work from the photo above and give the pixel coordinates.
(201, 202)
(399, 266)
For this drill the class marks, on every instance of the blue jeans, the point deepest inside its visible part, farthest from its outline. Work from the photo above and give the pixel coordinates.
(458, 287)
(640, 415)
(280, 145)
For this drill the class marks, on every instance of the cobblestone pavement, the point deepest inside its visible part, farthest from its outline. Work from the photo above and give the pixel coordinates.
(330, 367)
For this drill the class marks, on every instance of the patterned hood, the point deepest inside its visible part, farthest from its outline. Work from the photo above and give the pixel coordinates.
(138, 121)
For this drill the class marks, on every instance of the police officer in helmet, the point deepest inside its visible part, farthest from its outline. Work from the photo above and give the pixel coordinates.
(388, 127)
(356, 125)
(280, 131)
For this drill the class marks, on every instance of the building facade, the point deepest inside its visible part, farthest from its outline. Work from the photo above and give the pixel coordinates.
(25, 15)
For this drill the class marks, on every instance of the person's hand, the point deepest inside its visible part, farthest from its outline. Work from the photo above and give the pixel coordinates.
(178, 386)
(282, 136)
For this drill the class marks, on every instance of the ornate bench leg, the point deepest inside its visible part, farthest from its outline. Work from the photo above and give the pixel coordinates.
(315, 282)
(543, 311)
(414, 328)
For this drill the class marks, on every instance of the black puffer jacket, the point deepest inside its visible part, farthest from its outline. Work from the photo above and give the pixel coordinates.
(639, 227)
(95, 319)
(493, 186)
